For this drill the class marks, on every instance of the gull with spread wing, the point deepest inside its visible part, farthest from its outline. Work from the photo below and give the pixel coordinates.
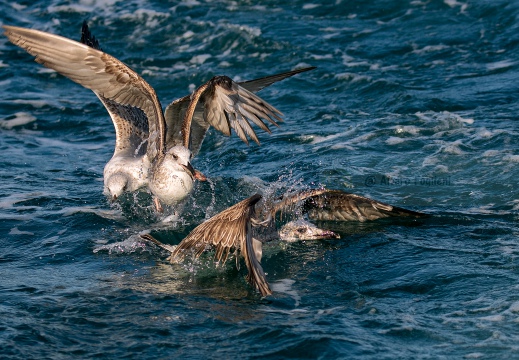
(243, 228)
(153, 149)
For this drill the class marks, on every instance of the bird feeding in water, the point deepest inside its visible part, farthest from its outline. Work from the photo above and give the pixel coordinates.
(244, 229)
(153, 149)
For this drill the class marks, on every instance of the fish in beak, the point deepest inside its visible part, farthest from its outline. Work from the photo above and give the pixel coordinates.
(195, 174)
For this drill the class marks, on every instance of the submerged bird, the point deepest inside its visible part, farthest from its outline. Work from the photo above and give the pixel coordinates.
(153, 148)
(243, 228)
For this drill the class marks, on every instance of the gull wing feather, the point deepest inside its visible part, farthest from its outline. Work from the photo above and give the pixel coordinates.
(261, 83)
(130, 100)
(225, 105)
(227, 230)
(337, 205)
(174, 116)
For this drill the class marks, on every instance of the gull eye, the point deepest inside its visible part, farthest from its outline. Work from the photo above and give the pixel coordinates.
(175, 156)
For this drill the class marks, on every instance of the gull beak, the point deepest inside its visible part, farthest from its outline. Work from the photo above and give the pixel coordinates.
(327, 235)
(195, 174)
(199, 176)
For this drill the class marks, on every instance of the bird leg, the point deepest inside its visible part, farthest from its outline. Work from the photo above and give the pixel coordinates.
(158, 205)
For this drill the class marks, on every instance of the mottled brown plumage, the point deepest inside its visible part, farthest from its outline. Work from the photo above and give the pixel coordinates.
(228, 230)
(233, 227)
(337, 205)
(148, 143)
(225, 105)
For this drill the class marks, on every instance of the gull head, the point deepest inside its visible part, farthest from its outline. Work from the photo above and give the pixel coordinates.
(115, 185)
(177, 159)
(304, 230)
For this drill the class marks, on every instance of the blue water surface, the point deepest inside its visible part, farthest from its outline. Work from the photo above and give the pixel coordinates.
(412, 103)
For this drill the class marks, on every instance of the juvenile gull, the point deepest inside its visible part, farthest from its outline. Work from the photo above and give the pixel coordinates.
(152, 149)
(243, 228)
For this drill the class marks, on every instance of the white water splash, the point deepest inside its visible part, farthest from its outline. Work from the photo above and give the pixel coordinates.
(20, 118)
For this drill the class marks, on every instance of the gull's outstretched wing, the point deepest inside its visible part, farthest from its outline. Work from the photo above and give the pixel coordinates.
(230, 229)
(337, 205)
(130, 100)
(131, 123)
(225, 105)
(174, 115)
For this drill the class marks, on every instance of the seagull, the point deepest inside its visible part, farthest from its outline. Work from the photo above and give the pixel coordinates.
(153, 149)
(244, 228)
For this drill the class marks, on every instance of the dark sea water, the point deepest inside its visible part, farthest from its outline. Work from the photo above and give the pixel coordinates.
(413, 103)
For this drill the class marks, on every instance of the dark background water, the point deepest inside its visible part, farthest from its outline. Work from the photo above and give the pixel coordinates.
(413, 103)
